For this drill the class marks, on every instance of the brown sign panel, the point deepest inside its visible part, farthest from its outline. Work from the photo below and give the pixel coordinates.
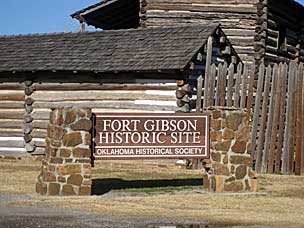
(151, 136)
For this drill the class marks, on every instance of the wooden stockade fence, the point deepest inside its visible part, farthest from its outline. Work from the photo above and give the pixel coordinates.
(277, 123)
(275, 106)
(228, 86)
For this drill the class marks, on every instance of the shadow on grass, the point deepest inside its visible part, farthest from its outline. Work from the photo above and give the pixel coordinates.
(102, 186)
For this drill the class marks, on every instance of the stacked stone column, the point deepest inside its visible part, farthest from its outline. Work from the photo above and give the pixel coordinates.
(66, 168)
(230, 165)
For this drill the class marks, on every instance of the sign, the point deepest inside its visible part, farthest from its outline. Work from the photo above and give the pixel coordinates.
(149, 136)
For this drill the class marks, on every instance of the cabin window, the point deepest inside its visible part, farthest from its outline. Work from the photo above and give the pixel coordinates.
(282, 40)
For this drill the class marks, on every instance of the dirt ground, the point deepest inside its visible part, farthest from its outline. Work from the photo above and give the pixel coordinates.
(158, 189)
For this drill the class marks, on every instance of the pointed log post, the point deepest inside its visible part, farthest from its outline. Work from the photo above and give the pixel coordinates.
(199, 93)
(258, 98)
(208, 70)
(299, 129)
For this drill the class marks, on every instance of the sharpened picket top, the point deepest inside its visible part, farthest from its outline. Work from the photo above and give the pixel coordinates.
(166, 49)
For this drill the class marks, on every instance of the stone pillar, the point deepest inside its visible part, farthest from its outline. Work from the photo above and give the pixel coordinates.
(66, 167)
(230, 165)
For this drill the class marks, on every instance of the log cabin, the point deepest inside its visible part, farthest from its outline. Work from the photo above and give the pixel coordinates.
(133, 70)
(260, 30)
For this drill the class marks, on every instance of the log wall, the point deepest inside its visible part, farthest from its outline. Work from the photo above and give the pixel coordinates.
(11, 117)
(284, 32)
(237, 18)
(256, 28)
(123, 96)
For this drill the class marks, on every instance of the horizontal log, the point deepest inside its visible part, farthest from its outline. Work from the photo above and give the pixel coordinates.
(110, 104)
(39, 133)
(11, 114)
(111, 110)
(41, 124)
(39, 142)
(6, 132)
(11, 86)
(97, 86)
(13, 152)
(239, 32)
(11, 124)
(11, 97)
(41, 114)
(100, 95)
(11, 104)
(105, 78)
(227, 20)
(222, 8)
(11, 142)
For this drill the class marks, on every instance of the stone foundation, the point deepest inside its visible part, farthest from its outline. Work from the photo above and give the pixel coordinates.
(230, 165)
(66, 167)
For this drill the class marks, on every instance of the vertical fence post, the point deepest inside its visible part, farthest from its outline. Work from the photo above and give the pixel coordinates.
(208, 70)
(211, 86)
(257, 107)
(230, 84)
(282, 118)
(199, 93)
(244, 86)
(237, 86)
(299, 129)
(270, 120)
(199, 90)
(276, 113)
(287, 124)
(261, 139)
(288, 155)
(222, 85)
(250, 90)
(302, 147)
(291, 144)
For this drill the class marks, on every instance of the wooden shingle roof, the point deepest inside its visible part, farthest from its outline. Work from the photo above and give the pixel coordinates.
(135, 50)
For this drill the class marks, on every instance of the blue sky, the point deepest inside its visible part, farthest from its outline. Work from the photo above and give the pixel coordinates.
(41, 16)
